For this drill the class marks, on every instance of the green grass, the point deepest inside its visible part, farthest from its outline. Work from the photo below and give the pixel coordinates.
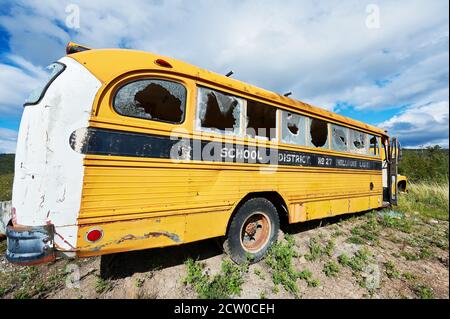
(224, 285)
(331, 269)
(423, 292)
(6, 182)
(102, 285)
(283, 272)
(279, 259)
(258, 273)
(429, 199)
(6, 176)
(319, 248)
(391, 271)
(409, 276)
(358, 262)
(399, 223)
(306, 275)
(366, 233)
(30, 282)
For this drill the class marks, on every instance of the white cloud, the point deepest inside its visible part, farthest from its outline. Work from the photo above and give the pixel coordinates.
(422, 125)
(17, 81)
(8, 139)
(322, 51)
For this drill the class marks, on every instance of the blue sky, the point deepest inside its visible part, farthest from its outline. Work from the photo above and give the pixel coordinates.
(381, 62)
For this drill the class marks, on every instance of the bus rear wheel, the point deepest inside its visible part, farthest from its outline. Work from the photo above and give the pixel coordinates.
(253, 230)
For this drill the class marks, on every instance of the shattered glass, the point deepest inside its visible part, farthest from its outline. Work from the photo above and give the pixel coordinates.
(339, 136)
(219, 112)
(261, 120)
(293, 128)
(152, 99)
(318, 133)
(374, 144)
(358, 142)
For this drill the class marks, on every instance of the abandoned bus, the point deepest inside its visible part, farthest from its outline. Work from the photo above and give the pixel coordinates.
(124, 150)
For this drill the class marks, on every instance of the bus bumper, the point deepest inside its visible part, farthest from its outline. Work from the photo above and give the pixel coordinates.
(30, 245)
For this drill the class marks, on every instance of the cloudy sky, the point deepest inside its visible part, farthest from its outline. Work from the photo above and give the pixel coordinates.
(381, 62)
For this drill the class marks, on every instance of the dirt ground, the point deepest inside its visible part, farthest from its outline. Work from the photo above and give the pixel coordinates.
(403, 264)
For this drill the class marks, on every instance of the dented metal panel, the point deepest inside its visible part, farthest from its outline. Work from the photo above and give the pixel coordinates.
(29, 245)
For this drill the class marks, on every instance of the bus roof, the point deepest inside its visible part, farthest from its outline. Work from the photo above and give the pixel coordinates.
(108, 64)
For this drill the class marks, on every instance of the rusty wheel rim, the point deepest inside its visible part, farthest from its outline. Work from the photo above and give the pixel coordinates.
(255, 232)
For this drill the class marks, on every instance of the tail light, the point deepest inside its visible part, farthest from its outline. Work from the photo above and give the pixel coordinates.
(94, 235)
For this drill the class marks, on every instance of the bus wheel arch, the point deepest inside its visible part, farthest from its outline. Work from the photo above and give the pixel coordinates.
(401, 185)
(254, 226)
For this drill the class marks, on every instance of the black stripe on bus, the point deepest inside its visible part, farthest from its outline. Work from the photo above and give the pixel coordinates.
(96, 141)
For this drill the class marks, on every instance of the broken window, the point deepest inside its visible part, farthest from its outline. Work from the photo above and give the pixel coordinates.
(318, 133)
(339, 138)
(358, 142)
(152, 99)
(373, 145)
(261, 120)
(293, 128)
(219, 112)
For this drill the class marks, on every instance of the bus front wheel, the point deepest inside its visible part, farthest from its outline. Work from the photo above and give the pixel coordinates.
(253, 230)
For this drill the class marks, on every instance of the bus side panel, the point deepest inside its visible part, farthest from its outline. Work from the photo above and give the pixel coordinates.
(132, 198)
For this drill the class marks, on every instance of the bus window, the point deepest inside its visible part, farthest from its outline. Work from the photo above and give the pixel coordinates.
(318, 133)
(293, 128)
(339, 138)
(152, 99)
(261, 120)
(374, 145)
(219, 112)
(358, 142)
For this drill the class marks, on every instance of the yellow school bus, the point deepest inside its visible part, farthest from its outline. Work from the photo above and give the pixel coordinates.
(124, 150)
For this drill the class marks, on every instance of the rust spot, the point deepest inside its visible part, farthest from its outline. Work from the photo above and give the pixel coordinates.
(172, 236)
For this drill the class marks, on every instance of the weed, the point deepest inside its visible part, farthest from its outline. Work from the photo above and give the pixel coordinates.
(423, 292)
(275, 289)
(22, 294)
(29, 282)
(337, 233)
(355, 240)
(331, 269)
(306, 275)
(139, 282)
(358, 262)
(409, 256)
(259, 273)
(317, 248)
(409, 276)
(426, 253)
(223, 285)
(403, 224)
(102, 285)
(391, 270)
(279, 260)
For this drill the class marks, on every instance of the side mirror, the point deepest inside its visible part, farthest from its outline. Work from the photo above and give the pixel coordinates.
(400, 151)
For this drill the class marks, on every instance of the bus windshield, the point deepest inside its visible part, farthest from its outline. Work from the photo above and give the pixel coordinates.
(53, 70)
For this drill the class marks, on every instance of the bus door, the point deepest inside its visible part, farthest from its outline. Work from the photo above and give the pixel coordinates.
(393, 171)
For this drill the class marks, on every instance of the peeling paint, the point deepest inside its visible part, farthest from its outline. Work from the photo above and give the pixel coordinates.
(78, 139)
(169, 235)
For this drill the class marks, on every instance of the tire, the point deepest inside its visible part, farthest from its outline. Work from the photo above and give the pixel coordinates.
(253, 230)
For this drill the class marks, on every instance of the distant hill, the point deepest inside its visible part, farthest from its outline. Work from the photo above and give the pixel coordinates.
(6, 163)
(6, 176)
(428, 164)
